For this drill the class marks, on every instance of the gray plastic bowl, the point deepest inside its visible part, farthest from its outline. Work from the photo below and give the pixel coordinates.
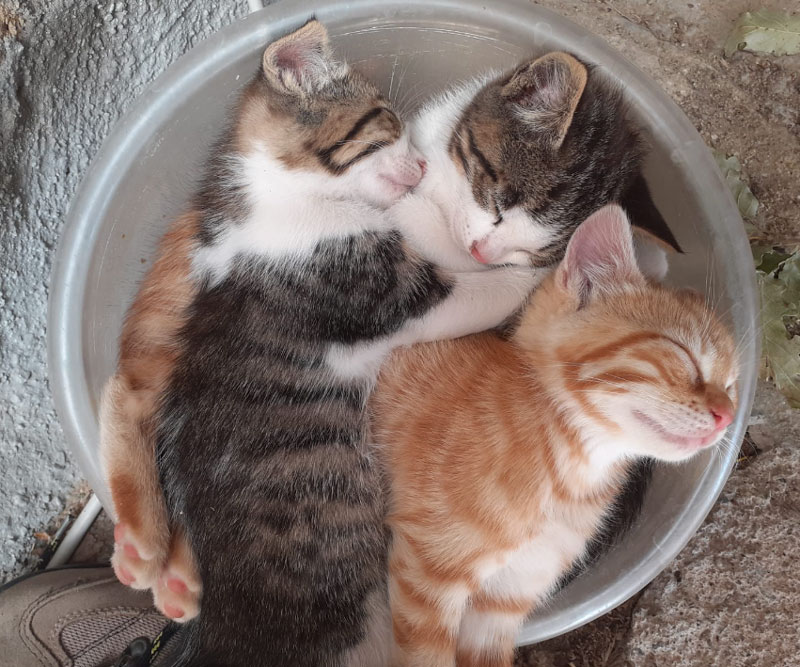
(143, 175)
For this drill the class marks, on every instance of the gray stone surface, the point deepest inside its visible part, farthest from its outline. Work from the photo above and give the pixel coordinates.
(68, 71)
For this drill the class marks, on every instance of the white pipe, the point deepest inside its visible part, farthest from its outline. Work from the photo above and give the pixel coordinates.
(255, 5)
(76, 532)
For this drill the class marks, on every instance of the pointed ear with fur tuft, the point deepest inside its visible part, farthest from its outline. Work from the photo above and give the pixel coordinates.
(600, 256)
(302, 62)
(545, 93)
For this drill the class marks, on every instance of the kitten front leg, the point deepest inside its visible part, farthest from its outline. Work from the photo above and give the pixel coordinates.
(479, 301)
(489, 629)
(497, 610)
(426, 609)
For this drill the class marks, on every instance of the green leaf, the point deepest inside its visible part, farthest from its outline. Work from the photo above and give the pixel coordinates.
(731, 169)
(780, 314)
(790, 275)
(771, 260)
(759, 250)
(765, 31)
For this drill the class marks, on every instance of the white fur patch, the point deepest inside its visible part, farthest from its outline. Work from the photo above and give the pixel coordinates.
(481, 631)
(535, 567)
(432, 217)
(363, 361)
(651, 258)
(290, 212)
(514, 241)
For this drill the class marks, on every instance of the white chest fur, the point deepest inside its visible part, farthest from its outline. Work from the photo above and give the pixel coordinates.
(532, 570)
(288, 214)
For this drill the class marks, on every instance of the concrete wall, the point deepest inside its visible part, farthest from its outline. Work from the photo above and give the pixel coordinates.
(68, 71)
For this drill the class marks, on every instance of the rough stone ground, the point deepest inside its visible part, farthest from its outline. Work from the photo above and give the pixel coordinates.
(68, 70)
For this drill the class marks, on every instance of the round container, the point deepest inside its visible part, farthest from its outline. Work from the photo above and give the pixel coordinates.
(142, 177)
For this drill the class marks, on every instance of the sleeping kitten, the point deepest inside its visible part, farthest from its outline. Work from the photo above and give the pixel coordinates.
(451, 192)
(300, 285)
(503, 457)
(516, 162)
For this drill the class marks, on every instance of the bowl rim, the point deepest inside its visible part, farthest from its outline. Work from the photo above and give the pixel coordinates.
(68, 280)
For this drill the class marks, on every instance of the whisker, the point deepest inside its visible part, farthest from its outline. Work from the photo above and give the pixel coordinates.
(391, 81)
(400, 82)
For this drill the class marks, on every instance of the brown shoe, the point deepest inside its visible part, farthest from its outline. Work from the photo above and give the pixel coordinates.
(76, 617)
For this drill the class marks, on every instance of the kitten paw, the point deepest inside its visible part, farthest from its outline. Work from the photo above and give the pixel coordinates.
(173, 578)
(135, 563)
(178, 590)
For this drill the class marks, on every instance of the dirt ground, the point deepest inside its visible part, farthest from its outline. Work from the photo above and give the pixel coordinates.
(731, 598)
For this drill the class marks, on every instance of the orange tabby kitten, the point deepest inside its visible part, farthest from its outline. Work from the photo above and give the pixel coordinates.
(504, 456)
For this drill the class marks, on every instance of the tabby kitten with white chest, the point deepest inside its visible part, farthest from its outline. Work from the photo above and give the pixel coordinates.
(299, 283)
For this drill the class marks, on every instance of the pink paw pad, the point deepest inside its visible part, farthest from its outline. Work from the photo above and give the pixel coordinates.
(131, 551)
(177, 585)
(124, 576)
(172, 611)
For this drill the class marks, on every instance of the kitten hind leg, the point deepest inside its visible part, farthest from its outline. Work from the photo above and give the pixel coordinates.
(146, 553)
(133, 563)
(141, 535)
(178, 589)
(426, 610)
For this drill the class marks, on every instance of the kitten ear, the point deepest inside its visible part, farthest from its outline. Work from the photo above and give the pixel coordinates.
(546, 91)
(302, 62)
(600, 256)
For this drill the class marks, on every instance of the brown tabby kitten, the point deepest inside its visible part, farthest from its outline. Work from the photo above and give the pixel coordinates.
(504, 456)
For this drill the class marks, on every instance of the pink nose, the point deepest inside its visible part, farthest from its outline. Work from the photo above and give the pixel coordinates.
(475, 251)
(722, 415)
(408, 173)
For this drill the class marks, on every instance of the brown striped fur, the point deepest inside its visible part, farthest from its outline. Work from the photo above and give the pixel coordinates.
(491, 445)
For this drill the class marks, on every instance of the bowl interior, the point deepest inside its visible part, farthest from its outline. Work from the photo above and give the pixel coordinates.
(146, 171)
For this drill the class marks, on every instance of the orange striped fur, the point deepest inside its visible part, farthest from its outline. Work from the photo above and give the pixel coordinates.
(148, 351)
(503, 456)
